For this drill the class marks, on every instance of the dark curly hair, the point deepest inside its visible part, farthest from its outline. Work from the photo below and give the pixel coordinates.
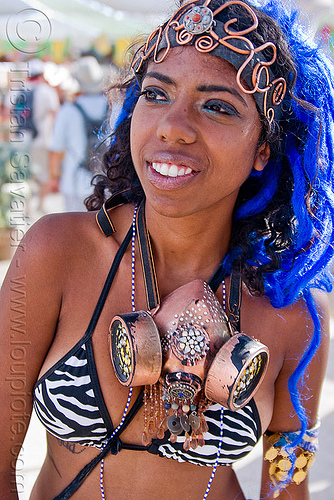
(274, 222)
(277, 216)
(283, 229)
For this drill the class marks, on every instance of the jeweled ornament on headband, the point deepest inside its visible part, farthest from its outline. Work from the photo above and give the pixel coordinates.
(217, 31)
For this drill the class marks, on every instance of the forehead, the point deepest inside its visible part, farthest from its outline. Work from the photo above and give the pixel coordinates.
(196, 65)
(187, 68)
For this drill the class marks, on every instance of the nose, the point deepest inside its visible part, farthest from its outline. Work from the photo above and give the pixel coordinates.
(177, 125)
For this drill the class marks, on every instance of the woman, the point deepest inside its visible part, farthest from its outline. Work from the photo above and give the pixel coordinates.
(221, 146)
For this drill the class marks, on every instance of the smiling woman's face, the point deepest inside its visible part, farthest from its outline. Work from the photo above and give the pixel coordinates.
(194, 134)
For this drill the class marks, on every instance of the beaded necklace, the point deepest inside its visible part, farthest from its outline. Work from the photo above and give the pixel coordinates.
(133, 309)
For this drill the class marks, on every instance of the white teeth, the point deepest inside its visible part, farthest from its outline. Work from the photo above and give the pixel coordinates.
(173, 171)
(170, 170)
(164, 169)
(156, 166)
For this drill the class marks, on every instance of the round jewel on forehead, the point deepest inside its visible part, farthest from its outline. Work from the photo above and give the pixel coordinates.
(198, 20)
(217, 31)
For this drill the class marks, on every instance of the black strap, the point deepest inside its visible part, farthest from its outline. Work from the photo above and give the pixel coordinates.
(113, 445)
(102, 217)
(150, 279)
(234, 301)
(146, 255)
(217, 278)
(108, 283)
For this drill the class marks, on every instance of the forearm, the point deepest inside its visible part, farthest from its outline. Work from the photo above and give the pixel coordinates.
(55, 165)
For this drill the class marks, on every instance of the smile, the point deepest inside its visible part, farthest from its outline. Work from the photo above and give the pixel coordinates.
(169, 170)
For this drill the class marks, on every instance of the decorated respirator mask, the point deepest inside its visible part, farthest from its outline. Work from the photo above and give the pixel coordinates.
(187, 344)
(184, 350)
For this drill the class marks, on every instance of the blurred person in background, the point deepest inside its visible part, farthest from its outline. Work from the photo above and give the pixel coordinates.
(77, 123)
(45, 103)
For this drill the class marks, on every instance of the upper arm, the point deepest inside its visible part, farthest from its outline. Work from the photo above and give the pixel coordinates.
(298, 337)
(30, 301)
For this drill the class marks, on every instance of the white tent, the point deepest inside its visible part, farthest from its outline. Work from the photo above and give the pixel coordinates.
(79, 18)
(84, 20)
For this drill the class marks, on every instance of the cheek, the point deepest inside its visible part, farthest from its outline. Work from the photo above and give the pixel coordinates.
(245, 149)
(235, 157)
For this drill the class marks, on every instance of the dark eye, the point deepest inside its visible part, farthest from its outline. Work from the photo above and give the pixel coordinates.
(220, 107)
(152, 94)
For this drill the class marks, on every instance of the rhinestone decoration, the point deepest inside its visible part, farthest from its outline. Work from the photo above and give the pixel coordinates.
(190, 343)
(198, 20)
(189, 340)
(247, 377)
(201, 27)
(123, 351)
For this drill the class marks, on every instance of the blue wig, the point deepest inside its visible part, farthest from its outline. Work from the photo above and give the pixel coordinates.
(307, 133)
(305, 264)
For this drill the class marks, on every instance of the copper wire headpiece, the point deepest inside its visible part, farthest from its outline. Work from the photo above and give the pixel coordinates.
(197, 25)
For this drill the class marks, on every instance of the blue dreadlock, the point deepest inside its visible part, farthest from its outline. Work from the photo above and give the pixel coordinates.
(311, 165)
(306, 149)
(303, 266)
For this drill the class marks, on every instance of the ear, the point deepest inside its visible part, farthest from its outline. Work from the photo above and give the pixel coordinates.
(262, 157)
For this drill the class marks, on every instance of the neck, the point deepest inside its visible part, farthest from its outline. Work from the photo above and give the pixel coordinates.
(186, 248)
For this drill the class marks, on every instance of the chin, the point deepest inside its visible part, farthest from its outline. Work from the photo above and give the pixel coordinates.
(167, 206)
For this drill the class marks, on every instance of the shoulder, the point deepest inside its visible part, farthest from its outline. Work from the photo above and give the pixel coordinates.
(60, 238)
(45, 91)
(67, 236)
(288, 332)
(66, 109)
(57, 249)
(294, 340)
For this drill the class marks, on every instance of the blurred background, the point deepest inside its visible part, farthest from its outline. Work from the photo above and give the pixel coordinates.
(54, 55)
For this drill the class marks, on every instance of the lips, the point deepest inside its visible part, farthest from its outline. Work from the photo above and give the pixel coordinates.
(171, 170)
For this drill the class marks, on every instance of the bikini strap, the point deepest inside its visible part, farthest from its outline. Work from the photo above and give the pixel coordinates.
(234, 301)
(113, 446)
(217, 278)
(108, 283)
(107, 227)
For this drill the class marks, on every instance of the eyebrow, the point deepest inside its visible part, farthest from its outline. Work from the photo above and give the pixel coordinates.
(160, 77)
(222, 88)
(202, 88)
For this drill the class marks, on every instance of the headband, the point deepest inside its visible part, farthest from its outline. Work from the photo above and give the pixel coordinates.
(217, 31)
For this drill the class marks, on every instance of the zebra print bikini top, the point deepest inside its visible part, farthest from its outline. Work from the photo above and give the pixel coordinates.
(68, 401)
